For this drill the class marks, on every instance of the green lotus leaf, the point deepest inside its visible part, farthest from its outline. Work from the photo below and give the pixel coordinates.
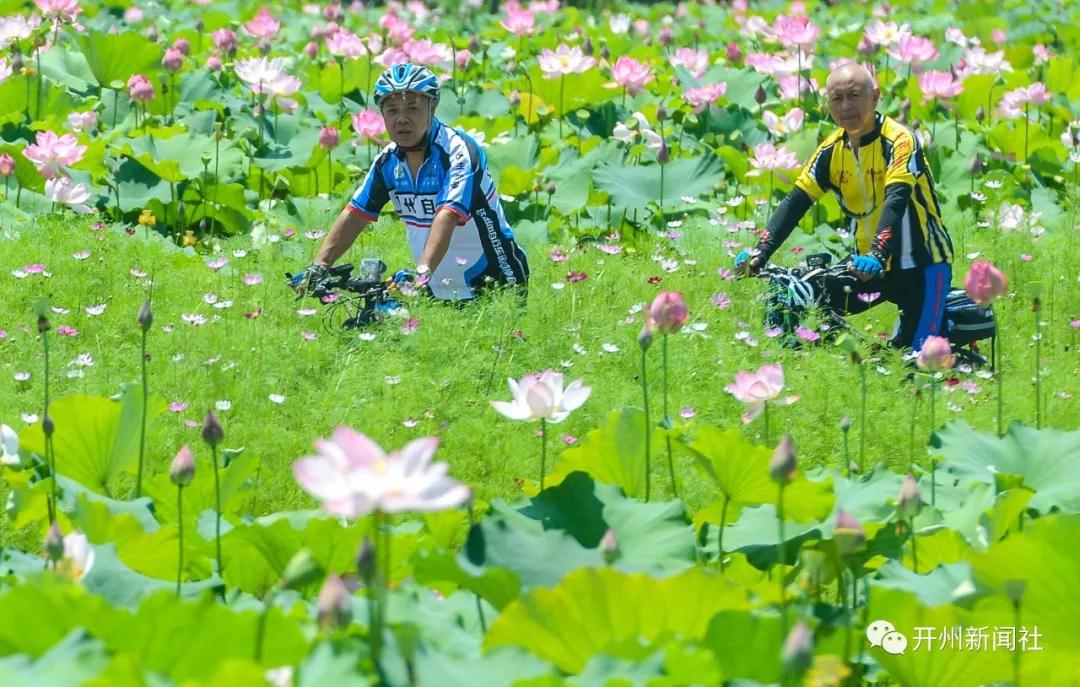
(587, 614)
(633, 187)
(96, 439)
(1048, 460)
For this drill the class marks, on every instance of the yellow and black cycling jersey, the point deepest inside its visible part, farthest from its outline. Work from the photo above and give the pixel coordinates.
(884, 187)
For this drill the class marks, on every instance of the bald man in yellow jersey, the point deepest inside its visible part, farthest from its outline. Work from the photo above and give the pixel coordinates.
(877, 169)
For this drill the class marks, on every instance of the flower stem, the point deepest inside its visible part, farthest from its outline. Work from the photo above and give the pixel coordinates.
(667, 425)
(562, 86)
(933, 463)
(914, 549)
(648, 427)
(765, 412)
(180, 538)
(1000, 391)
(217, 510)
(260, 627)
(847, 457)
(50, 458)
(780, 563)
(720, 536)
(142, 425)
(543, 451)
(1038, 376)
(862, 417)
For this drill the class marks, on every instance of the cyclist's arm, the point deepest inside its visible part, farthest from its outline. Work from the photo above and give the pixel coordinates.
(438, 240)
(897, 198)
(342, 235)
(782, 222)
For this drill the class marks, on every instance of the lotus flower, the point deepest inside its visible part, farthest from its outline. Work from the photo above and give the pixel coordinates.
(61, 190)
(564, 61)
(369, 124)
(703, 96)
(782, 126)
(631, 74)
(794, 31)
(344, 43)
(263, 25)
(541, 396)
(60, 11)
(50, 153)
(769, 158)
(939, 85)
(887, 33)
(224, 40)
(7, 165)
(17, 28)
(9, 446)
(668, 312)
(519, 22)
(935, 354)
(756, 388)
(694, 61)
(140, 89)
(913, 49)
(78, 558)
(5, 70)
(352, 476)
(984, 282)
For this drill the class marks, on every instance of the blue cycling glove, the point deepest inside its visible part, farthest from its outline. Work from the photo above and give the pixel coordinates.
(742, 257)
(867, 264)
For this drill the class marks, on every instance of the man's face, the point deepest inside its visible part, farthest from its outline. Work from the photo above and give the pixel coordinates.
(852, 103)
(407, 117)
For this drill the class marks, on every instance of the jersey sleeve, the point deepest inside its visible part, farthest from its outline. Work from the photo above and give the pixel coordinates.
(904, 166)
(373, 194)
(814, 178)
(464, 173)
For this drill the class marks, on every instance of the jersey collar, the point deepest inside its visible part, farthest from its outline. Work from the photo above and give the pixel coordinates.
(872, 135)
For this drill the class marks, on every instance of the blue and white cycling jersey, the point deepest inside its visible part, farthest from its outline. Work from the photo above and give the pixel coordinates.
(454, 176)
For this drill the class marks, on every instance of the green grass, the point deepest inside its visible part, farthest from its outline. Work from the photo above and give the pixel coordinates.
(452, 366)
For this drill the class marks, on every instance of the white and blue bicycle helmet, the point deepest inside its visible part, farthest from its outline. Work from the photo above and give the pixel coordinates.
(406, 78)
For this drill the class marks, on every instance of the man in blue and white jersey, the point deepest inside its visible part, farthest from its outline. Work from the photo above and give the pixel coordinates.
(438, 181)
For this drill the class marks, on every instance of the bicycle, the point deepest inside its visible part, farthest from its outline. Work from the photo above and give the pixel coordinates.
(360, 301)
(794, 292)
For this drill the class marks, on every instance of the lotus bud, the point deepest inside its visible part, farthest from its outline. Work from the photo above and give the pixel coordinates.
(663, 155)
(668, 312)
(152, 33)
(645, 336)
(609, 546)
(760, 95)
(474, 45)
(47, 426)
(333, 609)
(549, 188)
(1036, 304)
(301, 570)
(783, 464)
(43, 324)
(1014, 590)
(54, 543)
(980, 114)
(849, 534)
(976, 166)
(667, 36)
(604, 52)
(845, 424)
(866, 47)
(182, 45)
(182, 468)
(365, 562)
(212, 433)
(587, 46)
(661, 113)
(733, 53)
(329, 137)
(798, 651)
(311, 50)
(910, 502)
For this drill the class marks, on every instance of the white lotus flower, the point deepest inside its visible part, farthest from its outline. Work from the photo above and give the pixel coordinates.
(541, 396)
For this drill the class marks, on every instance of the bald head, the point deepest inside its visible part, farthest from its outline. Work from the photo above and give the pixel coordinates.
(852, 98)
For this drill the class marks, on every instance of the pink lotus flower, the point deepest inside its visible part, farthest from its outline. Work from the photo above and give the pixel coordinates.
(631, 74)
(83, 121)
(344, 43)
(913, 50)
(173, 59)
(61, 190)
(769, 158)
(519, 22)
(5, 69)
(224, 40)
(793, 31)
(50, 153)
(790, 85)
(269, 77)
(755, 389)
(7, 165)
(397, 29)
(940, 85)
(1013, 102)
(984, 282)
(564, 61)
(17, 28)
(887, 34)
(329, 137)
(140, 89)
(425, 52)
(60, 11)
(541, 396)
(935, 354)
(352, 476)
(694, 61)
(668, 312)
(788, 124)
(263, 25)
(704, 96)
(369, 124)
